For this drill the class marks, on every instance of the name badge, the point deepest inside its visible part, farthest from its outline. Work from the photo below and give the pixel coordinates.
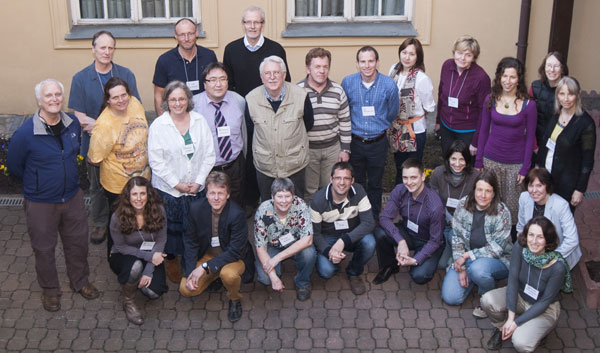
(188, 149)
(286, 239)
(193, 85)
(368, 111)
(452, 203)
(453, 102)
(550, 145)
(214, 242)
(341, 224)
(413, 226)
(147, 246)
(532, 292)
(223, 131)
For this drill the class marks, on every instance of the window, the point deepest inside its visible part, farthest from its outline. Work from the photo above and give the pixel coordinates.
(133, 11)
(349, 10)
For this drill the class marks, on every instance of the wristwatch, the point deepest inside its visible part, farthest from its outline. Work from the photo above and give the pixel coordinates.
(205, 267)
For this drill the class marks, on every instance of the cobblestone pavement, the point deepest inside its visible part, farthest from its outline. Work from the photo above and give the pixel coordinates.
(396, 316)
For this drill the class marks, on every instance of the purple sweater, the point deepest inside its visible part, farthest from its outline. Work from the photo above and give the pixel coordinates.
(507, 138)
(475, 88)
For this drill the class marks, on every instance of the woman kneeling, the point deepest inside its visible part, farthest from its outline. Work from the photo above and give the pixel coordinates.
(139, 232)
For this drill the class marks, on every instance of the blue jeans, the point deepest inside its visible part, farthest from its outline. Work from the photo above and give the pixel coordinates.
(447, 254)
(363, 251)
(483, 272)
(305, 263)
(400, 157)
(368, 161)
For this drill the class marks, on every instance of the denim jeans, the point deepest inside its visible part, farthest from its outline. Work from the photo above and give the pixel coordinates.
(305, 263)
(447, 253)
(483, 272)
(363, 251)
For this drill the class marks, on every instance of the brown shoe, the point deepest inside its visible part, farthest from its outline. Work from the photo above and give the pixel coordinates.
(357, 286)
(133, 313)
(97, 235)
(173, 269)
(51, 302)
(89, 292)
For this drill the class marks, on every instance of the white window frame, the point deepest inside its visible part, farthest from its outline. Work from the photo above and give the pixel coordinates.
(349, 17)
(136, 15)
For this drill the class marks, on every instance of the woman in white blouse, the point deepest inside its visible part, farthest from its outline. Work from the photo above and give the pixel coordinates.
(181, 154)
(407, 135)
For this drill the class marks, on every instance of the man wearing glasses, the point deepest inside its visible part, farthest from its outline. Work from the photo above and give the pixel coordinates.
(224, 113)
(280, 115)
(184, 63)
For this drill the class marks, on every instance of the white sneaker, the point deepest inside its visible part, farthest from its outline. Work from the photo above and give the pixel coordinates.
(479, 313)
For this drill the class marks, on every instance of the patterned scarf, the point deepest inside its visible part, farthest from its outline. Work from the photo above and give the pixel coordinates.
(398, 134)
(542, 260)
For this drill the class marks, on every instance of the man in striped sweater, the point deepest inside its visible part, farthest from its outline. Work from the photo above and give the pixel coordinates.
(329, 139)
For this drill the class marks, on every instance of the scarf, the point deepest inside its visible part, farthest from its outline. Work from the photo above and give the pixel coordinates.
(544, 259)
(398, 134)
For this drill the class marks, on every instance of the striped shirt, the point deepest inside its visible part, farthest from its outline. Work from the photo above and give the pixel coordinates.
(332, 116)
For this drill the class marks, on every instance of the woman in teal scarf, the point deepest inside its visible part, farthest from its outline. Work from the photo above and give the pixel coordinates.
(536, 276)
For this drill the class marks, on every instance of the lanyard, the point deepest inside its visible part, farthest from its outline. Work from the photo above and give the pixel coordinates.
(529, 271)
(141, 236)
(100, 80)
(185, 67)
(367, 90)
(419, 214)
(461, 192)
(461, 86)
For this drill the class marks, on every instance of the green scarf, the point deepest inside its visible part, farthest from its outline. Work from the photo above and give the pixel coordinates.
(542, 260)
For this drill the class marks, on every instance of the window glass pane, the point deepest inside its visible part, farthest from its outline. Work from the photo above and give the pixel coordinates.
(91, 8)
(392, 8)
(366, 7)
(332, 8)
(307, 7)
(119, 9)
(181, 8)
(153, 8)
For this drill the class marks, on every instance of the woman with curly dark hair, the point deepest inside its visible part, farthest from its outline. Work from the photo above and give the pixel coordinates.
(507, 132)
(139, 232)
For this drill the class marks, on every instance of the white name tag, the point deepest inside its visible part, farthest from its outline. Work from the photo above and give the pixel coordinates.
(147, 246)
(452, 203)
(214, 242)
(193, 85)
(341, 224)
(286, 239)
(188, 149)
(413, 226)
(532, 292)
(550, 145)
(453, 102)
(223, 131)
(368, 111)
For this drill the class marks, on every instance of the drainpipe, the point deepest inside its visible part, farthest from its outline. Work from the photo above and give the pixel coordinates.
(523, 30)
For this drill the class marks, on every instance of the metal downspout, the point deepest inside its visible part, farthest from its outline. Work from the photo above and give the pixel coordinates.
(523, 30)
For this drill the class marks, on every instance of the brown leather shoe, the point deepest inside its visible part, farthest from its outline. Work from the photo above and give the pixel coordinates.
(133, 313)
(357, 286)
(89, 292)
(51, 302)
(173, 269)
(97, 235)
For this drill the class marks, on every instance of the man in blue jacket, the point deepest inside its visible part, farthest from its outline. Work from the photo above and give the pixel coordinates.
(217, 246)
(43, 154)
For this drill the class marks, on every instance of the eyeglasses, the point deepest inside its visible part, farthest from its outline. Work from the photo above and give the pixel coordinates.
(186, 35)
(215, 80)
(178, 100)
(272, 73)
(553, 67)
(253, 23)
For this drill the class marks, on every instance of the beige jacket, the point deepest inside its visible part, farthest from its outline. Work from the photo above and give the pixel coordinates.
(280, 141)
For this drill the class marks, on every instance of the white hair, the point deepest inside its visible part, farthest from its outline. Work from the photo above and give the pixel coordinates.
(38, 88)
(252, 9)
(274, 59)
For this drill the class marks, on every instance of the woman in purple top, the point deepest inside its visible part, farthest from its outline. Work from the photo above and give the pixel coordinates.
(463, 87)
(507, 132)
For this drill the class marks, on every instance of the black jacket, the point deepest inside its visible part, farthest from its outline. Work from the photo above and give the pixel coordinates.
(573, 154)
(233, 238)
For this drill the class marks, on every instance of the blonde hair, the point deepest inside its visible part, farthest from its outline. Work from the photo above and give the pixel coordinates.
(465, 42)
(574, 88)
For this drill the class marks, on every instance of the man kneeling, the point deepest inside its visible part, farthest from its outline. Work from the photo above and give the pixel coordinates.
(282, 229)
(221, 250)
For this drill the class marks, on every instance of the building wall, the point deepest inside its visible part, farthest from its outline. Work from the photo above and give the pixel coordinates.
(584, 47)
(34, 47)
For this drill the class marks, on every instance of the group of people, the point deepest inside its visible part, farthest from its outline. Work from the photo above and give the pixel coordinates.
(172, 198)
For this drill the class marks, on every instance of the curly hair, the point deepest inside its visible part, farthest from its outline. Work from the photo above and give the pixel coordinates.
(154, 219)
(508, 63)
(548, 229)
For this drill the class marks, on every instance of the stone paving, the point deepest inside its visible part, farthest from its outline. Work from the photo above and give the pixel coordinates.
(396, 316)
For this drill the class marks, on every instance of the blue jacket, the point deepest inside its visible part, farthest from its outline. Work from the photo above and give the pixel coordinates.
(49, 173)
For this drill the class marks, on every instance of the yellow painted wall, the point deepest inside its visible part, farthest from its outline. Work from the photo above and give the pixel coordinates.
(34, 47)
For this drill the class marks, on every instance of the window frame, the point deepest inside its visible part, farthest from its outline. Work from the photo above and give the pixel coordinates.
(136, 15)
(349, 16)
